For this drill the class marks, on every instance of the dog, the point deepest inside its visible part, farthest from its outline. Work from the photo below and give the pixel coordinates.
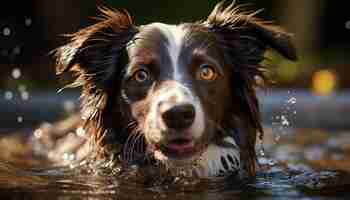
(182, 96)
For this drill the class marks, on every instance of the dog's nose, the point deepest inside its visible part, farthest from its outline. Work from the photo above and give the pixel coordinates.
(178, 116)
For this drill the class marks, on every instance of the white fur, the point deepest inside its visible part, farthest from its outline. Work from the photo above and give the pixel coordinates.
(175, 35)
(183, 95)
(206, 165)
(210, 162)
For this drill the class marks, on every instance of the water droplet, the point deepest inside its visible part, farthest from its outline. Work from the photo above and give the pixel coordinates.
(28, 21)
(16, 73)
(271, 162)
(292, 100)
(71, 157)
(277, 138)
(24, 95)
(38, 133)
(80, 132)
(19, 119)
(8, 95)
(6, 31)
(68, 156)
(68, 106)
(22, 88)
(65, 156)
(284, 121)
(347, 25)
(17, 50)
(262, 152)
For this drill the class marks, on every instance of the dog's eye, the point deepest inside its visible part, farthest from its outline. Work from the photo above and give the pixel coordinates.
(141, 75)
(207, 72)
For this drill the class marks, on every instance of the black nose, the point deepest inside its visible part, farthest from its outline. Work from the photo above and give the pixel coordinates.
(179, 116)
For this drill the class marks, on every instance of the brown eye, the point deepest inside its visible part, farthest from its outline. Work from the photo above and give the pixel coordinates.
(141, 76)
(207, 73)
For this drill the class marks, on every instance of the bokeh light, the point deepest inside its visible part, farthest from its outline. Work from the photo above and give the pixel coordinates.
(324, 82)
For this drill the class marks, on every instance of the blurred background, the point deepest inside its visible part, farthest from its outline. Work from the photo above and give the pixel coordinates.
(29, 30)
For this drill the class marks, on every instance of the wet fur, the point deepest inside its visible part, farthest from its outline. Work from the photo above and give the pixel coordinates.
(97, 57)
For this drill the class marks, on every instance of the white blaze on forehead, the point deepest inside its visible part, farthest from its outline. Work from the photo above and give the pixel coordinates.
(175, 35)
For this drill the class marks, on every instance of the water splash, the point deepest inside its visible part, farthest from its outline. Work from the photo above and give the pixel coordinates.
(262, 151)
(283, 120)
(69, 156)
(267, 161)
(292, 100)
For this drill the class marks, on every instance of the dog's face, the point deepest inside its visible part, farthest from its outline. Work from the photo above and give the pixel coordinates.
(183, 94)
(175, 81)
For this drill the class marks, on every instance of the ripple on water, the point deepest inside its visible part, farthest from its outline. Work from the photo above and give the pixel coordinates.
(61, 183)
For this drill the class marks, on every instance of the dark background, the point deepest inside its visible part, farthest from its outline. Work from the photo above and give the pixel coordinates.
(321, 27)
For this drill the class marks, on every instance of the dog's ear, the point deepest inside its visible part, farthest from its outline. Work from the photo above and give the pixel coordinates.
(244, 39)
(240, 27)
(97, 55)
(95, 52)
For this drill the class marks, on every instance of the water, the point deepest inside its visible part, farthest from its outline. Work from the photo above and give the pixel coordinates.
(286, 171)
(61, 184)
(295, 161)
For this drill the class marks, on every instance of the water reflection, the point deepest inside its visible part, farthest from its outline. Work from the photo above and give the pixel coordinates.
(273, 182)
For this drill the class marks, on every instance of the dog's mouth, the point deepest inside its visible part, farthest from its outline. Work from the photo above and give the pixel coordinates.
(179, 149)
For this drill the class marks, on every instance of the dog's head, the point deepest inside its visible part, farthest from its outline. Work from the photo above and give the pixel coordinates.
(181, 93)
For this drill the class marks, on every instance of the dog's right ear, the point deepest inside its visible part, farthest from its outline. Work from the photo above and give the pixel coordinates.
(94, 53)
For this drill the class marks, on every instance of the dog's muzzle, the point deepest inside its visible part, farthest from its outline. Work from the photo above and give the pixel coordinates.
(175, 122)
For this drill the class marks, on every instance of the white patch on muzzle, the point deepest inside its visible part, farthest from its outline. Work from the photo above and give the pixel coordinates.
(179, 94)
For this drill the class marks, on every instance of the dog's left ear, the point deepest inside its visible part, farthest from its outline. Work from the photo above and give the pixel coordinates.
(235, 25)
(94, 54)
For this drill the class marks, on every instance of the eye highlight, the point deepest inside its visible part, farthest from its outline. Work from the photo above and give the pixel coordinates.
(141, 75)
(207, 73)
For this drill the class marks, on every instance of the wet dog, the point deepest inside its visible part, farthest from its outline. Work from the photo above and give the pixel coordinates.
(180, 95)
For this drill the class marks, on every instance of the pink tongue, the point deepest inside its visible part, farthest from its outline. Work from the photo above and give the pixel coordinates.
(181, 146)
